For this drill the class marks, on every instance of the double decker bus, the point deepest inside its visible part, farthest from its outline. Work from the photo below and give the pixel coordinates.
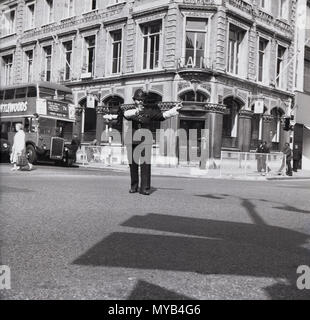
(46, 111)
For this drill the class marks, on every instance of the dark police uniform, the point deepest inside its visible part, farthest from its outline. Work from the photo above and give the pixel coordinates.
(143, 120)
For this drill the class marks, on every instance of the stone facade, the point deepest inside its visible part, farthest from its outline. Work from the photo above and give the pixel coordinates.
(175, 77)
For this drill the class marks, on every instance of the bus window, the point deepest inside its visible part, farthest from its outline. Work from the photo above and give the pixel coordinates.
(9, 94)
(47, 93)
(1, 95)
(65, 129)
(27, 125)
(32, 92)
(47, 126)
(34, 125)
(20, 93)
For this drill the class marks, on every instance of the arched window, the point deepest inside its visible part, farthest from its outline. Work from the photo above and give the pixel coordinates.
(193, 96)
(114, 103)
(89, 121)
(231, 117)
(256, 128)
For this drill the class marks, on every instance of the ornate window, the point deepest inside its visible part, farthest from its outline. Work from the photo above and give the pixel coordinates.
(7, 62)
(196, 39)
(116, 37)
(151, 34)
(236, 50)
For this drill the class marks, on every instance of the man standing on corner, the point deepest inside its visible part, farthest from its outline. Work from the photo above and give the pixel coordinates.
(140, 119)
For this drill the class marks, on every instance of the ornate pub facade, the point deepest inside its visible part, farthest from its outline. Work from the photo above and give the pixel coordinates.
(229, 61)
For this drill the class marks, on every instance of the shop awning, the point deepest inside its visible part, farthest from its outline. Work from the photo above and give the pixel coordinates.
(303, 108)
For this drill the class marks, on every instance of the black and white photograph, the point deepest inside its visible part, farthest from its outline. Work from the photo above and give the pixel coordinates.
(154, 150)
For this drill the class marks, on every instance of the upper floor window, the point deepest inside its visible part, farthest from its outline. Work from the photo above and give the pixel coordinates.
(90, 5)
(284, 9)
(265, 4)
(196, 38)
(70, 10)
(151, 44)
(30, 16)
(236, 50)
(90, 54)
(8, 22)
(48, 63)
(116, 51)
(29, 65)
(7, 64)
(68, 59)
(263, 60)
(50, 10)
(280, 65)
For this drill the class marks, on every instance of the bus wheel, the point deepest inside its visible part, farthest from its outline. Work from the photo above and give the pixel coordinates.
(31, 154)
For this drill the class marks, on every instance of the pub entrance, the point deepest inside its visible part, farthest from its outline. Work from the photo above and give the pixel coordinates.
(189, 143)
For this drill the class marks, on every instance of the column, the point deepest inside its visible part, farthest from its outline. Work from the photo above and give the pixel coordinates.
(100, 123)
(267, 120)
(78, 122)
(215, 126)
(245, 130)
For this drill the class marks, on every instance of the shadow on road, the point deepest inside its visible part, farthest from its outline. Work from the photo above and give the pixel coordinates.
(148, 291)
(207, 247)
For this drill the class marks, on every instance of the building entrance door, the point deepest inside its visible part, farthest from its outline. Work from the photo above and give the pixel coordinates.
(189, 144)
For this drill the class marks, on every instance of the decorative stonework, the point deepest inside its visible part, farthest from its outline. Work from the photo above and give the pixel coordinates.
(268, 118)
(215, 108)
(242, 6)
(183, 85)
(95, 16)
(246, 114)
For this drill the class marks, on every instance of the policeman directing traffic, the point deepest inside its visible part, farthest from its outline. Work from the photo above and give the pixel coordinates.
(138, 138)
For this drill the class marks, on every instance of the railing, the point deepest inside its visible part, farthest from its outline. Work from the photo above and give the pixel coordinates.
(252, 164)
(231, 164)
(116, 155)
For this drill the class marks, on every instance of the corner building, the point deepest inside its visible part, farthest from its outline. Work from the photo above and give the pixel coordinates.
(229, 61)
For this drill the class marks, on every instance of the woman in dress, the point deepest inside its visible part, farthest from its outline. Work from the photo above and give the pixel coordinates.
(19, 146)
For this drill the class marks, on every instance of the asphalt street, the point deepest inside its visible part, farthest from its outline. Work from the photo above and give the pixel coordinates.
(70, 233)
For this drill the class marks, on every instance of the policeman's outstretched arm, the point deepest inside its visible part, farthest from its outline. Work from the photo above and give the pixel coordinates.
(129, 114)
(172, 112)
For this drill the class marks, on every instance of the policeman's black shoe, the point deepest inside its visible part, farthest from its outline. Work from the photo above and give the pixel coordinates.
(133, 190)
(145, 192)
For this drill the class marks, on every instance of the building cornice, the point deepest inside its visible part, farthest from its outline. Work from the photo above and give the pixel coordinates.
(142, 13)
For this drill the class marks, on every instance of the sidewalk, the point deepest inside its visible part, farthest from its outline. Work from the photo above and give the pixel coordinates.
(192, 172)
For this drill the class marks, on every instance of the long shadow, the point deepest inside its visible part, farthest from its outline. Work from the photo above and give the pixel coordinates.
(207, 247)
(247, 203)
(148, 291)
(292, 209)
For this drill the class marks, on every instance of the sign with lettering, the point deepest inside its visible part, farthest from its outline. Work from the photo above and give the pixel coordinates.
(91, 102)
(13, 107)
(57, 109)
(259, 107)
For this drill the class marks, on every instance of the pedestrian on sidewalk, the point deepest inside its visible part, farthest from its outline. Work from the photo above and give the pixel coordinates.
(287, 151)
(262, 151)
(141, 116)
(18, 156)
